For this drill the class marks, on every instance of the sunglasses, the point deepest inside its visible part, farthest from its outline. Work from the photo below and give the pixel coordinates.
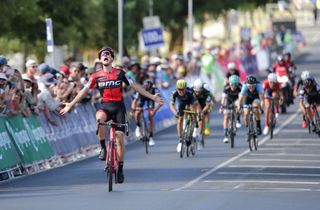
(251, 86)
(105, 53)
(34, 66)
(181, 89)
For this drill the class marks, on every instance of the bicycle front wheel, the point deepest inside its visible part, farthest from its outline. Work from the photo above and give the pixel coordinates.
(184, 140)
(110, 166)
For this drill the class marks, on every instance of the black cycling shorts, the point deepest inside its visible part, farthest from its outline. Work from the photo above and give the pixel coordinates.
(150, 103)
(115, 111)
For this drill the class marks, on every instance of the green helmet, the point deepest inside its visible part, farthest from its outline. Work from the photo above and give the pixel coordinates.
(181, 84)
(234, 80)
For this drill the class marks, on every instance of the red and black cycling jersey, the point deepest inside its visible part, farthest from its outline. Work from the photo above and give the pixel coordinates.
(109, 84)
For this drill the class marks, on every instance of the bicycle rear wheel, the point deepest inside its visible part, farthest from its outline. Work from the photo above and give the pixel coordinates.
(193, 147)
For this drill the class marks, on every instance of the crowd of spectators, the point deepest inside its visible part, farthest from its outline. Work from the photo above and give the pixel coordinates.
(44, 89)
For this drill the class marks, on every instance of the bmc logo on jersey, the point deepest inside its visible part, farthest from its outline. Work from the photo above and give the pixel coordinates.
(109, 84)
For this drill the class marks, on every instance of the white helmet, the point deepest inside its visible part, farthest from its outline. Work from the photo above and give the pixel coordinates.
(231, 65)
(305, 75)
(197, 85)
(272, 77)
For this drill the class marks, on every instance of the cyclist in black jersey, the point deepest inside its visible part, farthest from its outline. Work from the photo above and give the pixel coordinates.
(310, 94)
(138, 103)
(299, 86)
(230, 96)
(186, 100)
(232, 70)
(205, 100)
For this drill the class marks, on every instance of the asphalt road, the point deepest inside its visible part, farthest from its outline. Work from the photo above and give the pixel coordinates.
(283, 174)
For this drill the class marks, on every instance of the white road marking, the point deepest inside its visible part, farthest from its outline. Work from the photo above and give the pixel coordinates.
(261, 181)
(268, 174)
(294, 144)
(271, 166)
(197, 179)
(285, 154)
(280, 160)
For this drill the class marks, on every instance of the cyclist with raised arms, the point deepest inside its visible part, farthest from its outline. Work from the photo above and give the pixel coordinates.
(252, 94)
(186, 100)
(309, 94)
(109, 81)
(205, 99)
(272, 89)
(230, 95)
(138, 104)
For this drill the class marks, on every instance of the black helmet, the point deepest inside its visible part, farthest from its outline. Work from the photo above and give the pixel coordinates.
(251, 80)
(109, 49)
(307, 83)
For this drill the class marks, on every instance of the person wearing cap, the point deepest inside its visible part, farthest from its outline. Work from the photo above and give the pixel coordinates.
(110, 81)
(31, 69)
(30, 95)
(3, 62)
(4, 88)
(82, 70)
(46, 101)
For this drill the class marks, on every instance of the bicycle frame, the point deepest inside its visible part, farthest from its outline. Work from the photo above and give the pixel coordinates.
(112, 163)
(187, 134)
(252, 133)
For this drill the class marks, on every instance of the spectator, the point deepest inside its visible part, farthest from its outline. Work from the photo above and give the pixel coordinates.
(82, 70)
(3, 62)
(46, 99)
(29, 105)
(31, 69)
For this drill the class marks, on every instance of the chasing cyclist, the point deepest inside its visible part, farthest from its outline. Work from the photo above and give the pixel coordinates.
(230, 96)
(205, 101)
(186, 100)
(138, 104)
(109, 81)
(252, 94)
(299, 86)
(310, 94)
(232, 70)
(272, 89)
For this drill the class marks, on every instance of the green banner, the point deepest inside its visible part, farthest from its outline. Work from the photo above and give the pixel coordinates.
(29, 138)
(8, 153)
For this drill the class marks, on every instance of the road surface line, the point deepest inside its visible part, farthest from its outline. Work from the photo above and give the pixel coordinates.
(261, 181)
(271, 166)
(284, 154)
(268, 174)
(294, 144)
(197, 179)
(280, 160)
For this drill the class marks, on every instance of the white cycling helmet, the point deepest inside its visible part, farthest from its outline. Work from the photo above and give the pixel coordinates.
(305, 75)
(231, 65)
(272, 77)
(197, 85)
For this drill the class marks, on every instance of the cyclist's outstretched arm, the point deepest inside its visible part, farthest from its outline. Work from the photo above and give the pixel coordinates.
(145, 93)
(83, 92)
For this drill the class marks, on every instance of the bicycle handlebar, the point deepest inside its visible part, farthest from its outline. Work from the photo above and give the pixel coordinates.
(189, 111)
(113, 124)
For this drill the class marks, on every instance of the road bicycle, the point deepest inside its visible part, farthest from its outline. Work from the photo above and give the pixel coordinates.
(112, 163)
(272, 117)
(189, 144)
(144, 129)
(252, 135)
(232, 129)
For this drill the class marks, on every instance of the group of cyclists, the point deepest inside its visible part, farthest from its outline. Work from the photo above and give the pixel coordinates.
(196, 97)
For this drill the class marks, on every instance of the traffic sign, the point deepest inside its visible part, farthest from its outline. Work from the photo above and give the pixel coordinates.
(49, 30)
(153, 38)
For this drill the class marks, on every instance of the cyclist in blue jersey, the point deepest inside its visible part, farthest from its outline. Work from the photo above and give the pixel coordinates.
(252, 94)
